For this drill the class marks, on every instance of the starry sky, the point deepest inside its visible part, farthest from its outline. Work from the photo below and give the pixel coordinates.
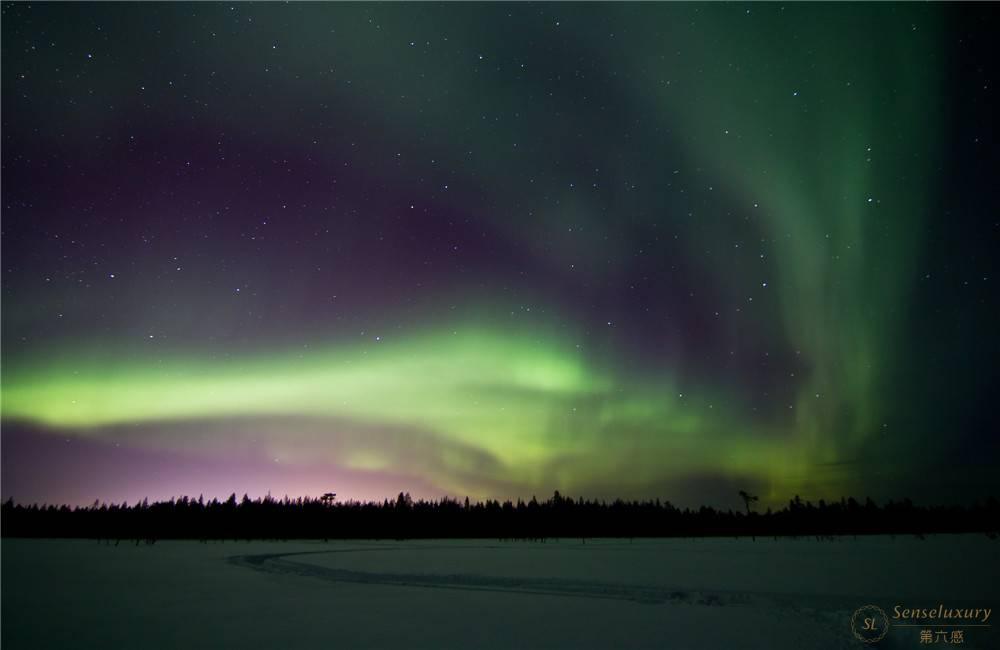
(640, 250)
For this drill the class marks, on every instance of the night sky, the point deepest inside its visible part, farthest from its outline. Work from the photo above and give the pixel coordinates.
(649, 250)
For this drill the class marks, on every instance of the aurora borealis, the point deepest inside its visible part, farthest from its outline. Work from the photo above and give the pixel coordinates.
(636, 250)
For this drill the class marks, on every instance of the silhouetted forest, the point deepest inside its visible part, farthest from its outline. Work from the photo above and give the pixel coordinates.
(404, 518)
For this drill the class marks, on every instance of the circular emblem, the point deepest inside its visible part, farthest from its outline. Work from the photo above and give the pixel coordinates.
(869, 623)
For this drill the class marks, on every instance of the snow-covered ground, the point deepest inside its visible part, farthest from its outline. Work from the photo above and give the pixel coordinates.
(683, 593)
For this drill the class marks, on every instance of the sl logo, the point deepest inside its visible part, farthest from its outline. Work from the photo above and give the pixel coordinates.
(869, 623)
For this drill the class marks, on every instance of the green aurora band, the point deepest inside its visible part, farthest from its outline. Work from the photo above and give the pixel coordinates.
(525, 402)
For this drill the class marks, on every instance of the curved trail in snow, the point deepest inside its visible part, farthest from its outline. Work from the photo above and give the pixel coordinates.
(297, 564)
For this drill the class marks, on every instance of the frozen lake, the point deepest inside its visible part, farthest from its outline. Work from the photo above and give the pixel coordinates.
(678, 593)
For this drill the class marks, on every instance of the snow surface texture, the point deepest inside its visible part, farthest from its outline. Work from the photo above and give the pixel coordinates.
(683, 593)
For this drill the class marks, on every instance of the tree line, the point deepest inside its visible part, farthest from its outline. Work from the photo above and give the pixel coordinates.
(405, 518)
